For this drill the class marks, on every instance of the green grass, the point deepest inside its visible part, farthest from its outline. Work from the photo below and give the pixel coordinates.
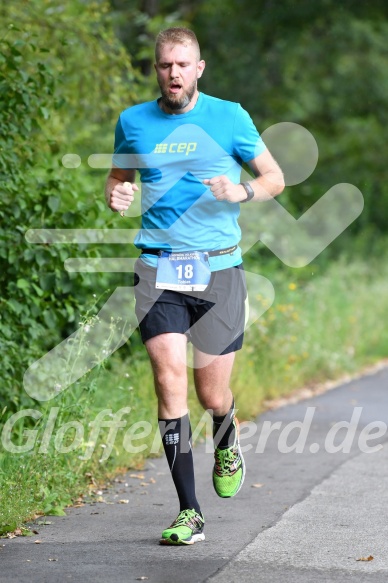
(318, 328)
(315, 330)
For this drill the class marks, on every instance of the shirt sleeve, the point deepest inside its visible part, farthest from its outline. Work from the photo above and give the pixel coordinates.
(247, 143)
(121, 148)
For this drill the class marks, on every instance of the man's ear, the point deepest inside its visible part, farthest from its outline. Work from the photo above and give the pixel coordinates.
(200, 68)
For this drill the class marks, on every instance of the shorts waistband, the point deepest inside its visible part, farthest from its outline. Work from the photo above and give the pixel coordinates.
(226, 251)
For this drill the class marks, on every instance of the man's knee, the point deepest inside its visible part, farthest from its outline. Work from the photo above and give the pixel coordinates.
(211, 402)
(170, 383)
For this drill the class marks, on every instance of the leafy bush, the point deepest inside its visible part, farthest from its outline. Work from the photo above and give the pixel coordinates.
(32, 279)
(58, 67)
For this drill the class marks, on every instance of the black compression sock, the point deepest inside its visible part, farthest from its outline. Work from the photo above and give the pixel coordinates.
(176, 437)
(224, 432)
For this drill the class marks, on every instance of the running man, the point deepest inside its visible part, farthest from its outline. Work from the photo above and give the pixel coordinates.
(190, 284)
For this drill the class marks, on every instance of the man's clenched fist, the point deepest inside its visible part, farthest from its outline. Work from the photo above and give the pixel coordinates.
(122, 197)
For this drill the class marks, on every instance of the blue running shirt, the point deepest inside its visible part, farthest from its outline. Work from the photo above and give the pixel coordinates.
(174, 153)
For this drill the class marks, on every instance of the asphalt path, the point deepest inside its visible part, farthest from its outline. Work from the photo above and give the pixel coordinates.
(302, 516)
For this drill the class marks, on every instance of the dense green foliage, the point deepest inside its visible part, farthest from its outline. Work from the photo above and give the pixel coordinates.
(30, 197)
(319, 64)
(45, 81)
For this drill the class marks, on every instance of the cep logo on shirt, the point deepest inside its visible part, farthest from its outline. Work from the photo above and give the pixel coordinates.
(176, 148)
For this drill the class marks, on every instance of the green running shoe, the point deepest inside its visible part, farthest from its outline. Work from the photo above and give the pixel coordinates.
(187, 529)
(229, 468)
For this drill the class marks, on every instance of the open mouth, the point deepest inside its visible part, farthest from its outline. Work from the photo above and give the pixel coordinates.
(175, 87)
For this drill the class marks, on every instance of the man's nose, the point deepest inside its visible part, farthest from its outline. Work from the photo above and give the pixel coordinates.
(174, 71)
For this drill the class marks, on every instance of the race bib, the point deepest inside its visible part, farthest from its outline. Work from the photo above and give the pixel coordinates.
(186, 271)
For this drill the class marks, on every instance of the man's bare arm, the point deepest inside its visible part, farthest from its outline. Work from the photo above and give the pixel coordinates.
(119, 188)
(269, 181)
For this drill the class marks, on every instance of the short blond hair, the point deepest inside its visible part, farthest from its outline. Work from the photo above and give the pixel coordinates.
(176, 35)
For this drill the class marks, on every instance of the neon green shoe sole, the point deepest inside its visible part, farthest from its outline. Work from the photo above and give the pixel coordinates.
(187, 529)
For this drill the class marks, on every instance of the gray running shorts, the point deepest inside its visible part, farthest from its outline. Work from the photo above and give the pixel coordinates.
(213, 319)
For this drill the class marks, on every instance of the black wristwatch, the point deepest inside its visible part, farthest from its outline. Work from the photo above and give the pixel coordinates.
(249, 190)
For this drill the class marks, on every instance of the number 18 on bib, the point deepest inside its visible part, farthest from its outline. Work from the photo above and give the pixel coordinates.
(187, 271)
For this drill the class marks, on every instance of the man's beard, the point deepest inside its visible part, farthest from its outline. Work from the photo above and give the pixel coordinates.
(174, 102)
